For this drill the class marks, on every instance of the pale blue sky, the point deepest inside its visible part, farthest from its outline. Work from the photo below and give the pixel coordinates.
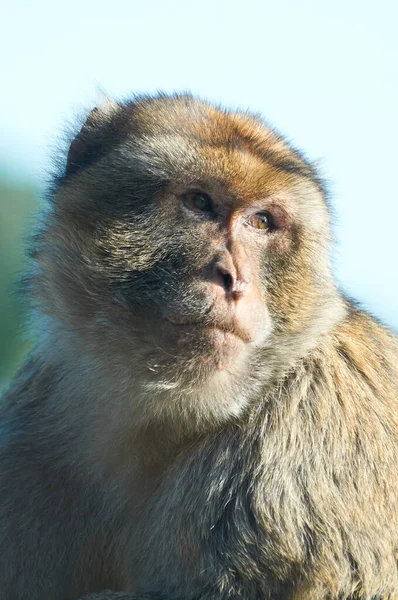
(324, 73)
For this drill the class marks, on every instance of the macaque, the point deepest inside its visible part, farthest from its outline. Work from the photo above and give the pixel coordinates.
(205, 416)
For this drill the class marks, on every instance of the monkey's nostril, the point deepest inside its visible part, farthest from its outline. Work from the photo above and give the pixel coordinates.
(228, 282)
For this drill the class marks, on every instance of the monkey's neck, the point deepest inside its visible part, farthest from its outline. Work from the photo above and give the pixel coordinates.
(116, 414)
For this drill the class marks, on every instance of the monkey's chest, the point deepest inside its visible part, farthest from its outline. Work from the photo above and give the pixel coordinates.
(214, 530)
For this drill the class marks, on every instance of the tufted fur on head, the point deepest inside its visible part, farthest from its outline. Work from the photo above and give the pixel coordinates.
(117, 250)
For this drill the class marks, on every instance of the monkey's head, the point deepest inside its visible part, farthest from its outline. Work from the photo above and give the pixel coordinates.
(190, 239)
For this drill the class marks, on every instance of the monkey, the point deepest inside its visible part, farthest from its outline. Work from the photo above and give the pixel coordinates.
(205, 414)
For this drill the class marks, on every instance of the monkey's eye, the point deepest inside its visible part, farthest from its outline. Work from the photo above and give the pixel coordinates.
(260, 221)
(198, 201)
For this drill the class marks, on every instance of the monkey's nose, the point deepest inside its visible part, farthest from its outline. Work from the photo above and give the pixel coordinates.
(229, 280)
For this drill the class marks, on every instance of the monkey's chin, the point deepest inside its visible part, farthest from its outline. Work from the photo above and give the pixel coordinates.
(224, 344)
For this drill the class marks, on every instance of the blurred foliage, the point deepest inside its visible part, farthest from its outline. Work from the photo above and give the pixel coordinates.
(18, 202)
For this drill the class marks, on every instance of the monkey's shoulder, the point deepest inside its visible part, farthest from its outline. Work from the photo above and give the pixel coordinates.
(366, 356)
(289, 489)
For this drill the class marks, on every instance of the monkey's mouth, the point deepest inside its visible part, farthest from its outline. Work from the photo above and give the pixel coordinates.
(213, 344)
(214, 331)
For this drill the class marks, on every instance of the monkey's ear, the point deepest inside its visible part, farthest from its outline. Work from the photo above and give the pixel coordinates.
(93, 138)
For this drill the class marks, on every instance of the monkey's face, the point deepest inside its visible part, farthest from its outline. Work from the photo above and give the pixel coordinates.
(204, 295)
(200, 235)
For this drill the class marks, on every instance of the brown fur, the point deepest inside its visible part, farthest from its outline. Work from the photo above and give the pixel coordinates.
(149, 452)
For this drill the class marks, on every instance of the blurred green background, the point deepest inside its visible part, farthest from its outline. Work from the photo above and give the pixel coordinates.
(19, 202)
